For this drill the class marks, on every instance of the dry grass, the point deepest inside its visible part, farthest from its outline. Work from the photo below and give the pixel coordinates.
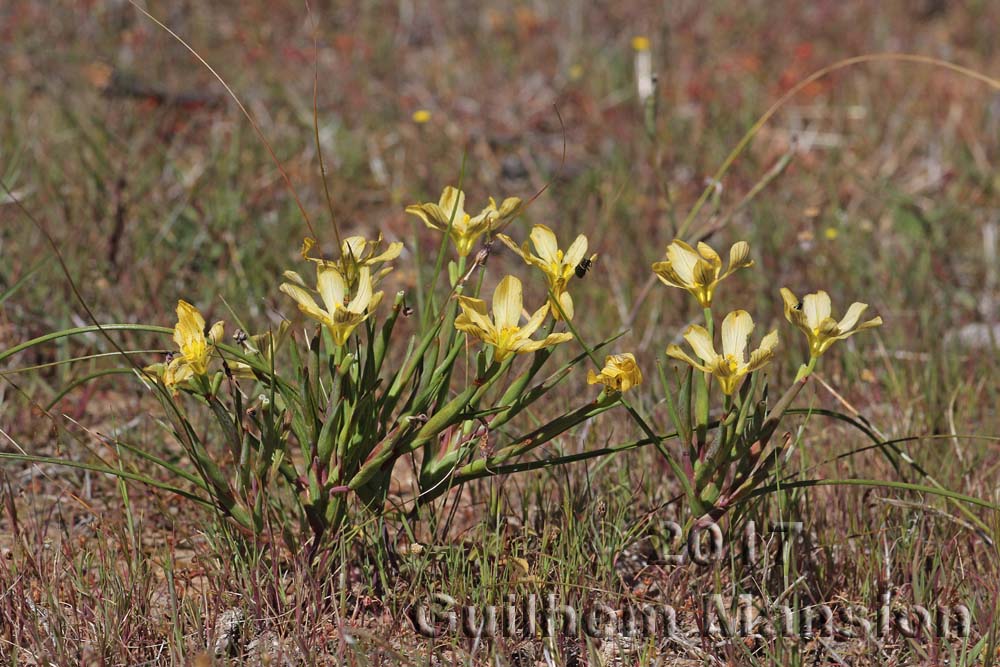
(157, 189)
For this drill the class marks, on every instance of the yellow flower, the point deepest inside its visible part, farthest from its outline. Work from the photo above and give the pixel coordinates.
(732, 365)
(503, 332)
(700, 271)
(342, 312)
(812, 316)
(421, 116)
(195, 346)
(640, 43)
(465, 229)
(558, 267)
(620, 373)
(356, 252)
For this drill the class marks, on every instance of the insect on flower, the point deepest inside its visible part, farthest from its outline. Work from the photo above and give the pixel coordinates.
(557, 265)
(585, 265)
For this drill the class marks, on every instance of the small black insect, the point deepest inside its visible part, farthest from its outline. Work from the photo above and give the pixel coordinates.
(585, 265)
(797, 306)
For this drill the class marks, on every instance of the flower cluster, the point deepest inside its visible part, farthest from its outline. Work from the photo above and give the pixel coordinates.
(699, 271)
(346, 294)
(355, 412)
(504, 332)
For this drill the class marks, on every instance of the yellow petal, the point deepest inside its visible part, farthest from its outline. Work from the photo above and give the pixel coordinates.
(431, 214)
(764, 353)
(548, 341)
(705, 274)
(668, 275)
(852, 316)
(566, 303)
(473, 318)
(507, 302)
(739, 257)
(391, 253)
(546, 246)
(874, 322)
(736, 328)
(306, 303)
(793, 311)
(709, 254)
(353, 247)
(816, 308)
(331, 287)
(683, 259)
(508, 207)
(534, 321)
(701, 342)
(509, 242)
(452, 204)
(177, 372)
(295, 278)
(576, 251)
(676, 352)
(361, 300)
(791, 301)
(190, 323)
(217, 332)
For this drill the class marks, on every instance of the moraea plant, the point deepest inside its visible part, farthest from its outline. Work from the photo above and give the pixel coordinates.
(503, 332)
(620, 373)
(336, 410)
(728, 453)
(195, 347)
(558, 267)
(341, 311)
(731, 366)
(812, 315)
(448, 215)
(700, 271)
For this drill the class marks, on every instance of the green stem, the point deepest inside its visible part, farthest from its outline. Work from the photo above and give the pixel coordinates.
(806, 370)
(701, 393)
(65, 333)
